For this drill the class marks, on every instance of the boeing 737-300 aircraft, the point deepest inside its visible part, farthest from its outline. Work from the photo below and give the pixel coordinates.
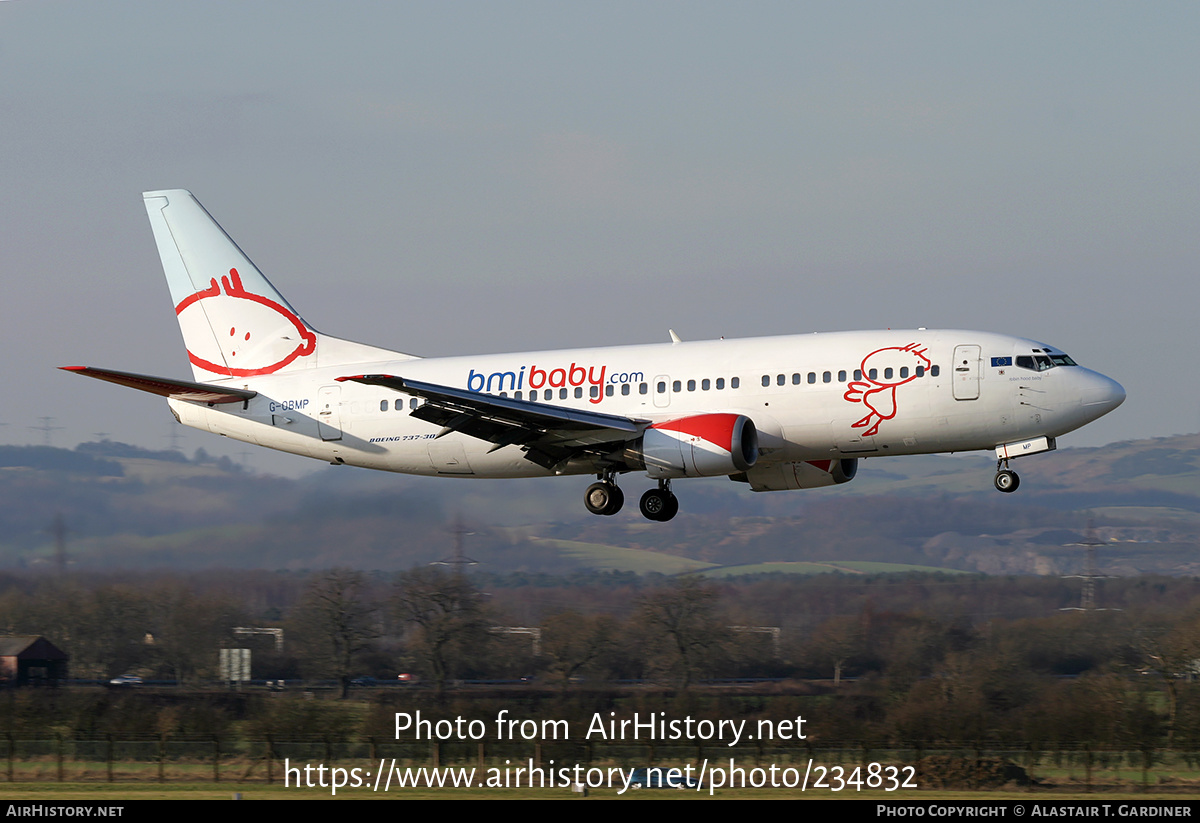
(775, 413)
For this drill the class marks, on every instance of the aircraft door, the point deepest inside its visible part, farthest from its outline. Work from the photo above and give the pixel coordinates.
(966, 372)
(662, 399)
(329, 415)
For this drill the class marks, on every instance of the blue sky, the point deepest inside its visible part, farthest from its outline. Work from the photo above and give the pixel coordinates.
(448, 178)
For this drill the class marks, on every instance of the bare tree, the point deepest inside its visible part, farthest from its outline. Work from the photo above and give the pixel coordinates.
(571, 642)
(835, 643)
(446, 616)
(338, 621)
(684, 616)
(188, 630)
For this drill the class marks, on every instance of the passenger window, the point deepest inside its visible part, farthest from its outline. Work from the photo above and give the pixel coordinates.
(887, 373)
(625, 389)
(904, 371)
(858, 374)
(594, 391)
(812, 377)
(676, 386)
(608, 390)
(796, 379)
(704, 384)
(826, 377)
(735, 382)
(842, 376)
(517, 395)
(720, 383)
(933, 370)
(920, 371)
(578, 392)
(662, 386)
(383, 404)
(873, 373)
(397, 405)
(766, 380)
(781, 379)
(504, 394)
(643, 388)
(691, 385)
(412, 404)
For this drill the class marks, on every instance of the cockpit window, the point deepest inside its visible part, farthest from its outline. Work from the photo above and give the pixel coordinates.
(1042, 362)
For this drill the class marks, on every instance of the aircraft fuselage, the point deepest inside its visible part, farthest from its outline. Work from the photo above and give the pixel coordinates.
(801, 412)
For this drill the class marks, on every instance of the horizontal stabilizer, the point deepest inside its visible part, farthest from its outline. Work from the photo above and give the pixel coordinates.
(166, 387)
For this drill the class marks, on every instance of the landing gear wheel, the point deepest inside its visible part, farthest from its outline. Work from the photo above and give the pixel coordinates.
(618, 500)
(672, 509)
(603, 498)
(659, 505)
(1007, 481)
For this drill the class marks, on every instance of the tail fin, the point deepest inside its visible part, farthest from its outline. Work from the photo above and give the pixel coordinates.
(234, 322)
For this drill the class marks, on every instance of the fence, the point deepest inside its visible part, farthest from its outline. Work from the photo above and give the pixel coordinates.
(113, 758)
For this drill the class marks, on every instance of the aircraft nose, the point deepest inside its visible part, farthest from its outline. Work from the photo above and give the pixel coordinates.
(1102, 394)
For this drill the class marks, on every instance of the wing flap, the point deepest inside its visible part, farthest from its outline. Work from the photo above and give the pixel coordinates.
(166, 386)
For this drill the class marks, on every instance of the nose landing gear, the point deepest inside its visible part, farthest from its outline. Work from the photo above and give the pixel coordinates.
(1006, 480)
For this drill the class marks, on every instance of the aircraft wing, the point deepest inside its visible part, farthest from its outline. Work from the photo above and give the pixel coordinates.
(167, 387)
(550, 434)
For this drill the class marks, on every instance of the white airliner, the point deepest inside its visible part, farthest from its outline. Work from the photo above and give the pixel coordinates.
(776, 413)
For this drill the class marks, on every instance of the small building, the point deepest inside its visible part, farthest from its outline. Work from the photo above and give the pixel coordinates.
(31, 660)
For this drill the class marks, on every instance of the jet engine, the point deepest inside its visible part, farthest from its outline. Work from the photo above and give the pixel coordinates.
(703, 445)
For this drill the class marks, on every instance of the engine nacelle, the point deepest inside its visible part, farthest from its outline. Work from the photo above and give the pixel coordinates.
(812, 474)
(704, 445)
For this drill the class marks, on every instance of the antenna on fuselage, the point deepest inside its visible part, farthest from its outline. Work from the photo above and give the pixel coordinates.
(674, 337)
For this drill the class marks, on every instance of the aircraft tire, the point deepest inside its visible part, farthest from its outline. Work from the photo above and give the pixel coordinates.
(653, 504)
(617, 501)
(598, 497)
(1007, 481)
(658, 505)
(672, 509)
(603, 498)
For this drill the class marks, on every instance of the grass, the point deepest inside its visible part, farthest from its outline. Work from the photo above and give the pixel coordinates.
(821, 567)
(615, 558)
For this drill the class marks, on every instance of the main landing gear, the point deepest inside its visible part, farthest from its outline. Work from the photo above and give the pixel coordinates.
(1006, 480)
(659, 504)
(604, 497)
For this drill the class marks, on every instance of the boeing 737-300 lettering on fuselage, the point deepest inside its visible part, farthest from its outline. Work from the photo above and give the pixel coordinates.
(775, 413)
